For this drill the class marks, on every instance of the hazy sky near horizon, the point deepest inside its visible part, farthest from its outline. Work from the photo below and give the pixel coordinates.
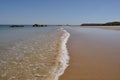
(58, 11)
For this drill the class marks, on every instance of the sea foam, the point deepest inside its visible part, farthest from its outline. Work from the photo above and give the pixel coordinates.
(40, 54)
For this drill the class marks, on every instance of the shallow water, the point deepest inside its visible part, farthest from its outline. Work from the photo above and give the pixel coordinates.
(33, 53)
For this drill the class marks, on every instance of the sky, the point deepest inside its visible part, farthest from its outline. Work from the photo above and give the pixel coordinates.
(73, 12)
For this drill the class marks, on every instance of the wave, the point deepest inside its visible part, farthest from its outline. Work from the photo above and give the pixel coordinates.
(64, 58)
(42, 56)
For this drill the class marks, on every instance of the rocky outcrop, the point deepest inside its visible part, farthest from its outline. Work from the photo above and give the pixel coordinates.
(37, 25)
(17, 26)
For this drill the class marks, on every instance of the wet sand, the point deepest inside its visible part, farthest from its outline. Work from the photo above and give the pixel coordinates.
(94, 55)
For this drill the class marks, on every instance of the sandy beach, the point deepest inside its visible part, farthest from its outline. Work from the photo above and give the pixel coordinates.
(94, 55)
(103, 27)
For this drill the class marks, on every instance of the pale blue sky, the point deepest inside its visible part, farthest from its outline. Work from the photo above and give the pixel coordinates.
(58, 11)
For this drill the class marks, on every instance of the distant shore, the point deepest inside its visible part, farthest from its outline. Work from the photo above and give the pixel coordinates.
(103, 27)
(108, 25)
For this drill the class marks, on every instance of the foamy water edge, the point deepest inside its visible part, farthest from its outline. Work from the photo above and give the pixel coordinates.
(64, 57)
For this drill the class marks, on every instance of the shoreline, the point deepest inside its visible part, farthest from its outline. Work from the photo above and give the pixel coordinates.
(103, 27)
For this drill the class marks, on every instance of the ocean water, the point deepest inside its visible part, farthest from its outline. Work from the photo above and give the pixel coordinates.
(33, 53)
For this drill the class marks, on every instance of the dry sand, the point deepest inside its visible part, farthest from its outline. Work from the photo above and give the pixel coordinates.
(104, 27)
(94, 55)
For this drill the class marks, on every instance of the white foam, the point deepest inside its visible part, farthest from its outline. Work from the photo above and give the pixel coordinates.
(64, 57)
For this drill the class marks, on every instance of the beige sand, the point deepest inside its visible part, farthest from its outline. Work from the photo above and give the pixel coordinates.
(104, 27)
(93, 56)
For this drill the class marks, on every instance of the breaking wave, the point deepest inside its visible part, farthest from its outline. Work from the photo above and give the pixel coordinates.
(40, 55)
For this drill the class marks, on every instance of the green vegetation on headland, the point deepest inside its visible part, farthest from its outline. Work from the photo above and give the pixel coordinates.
(113, 23)
(104, 24)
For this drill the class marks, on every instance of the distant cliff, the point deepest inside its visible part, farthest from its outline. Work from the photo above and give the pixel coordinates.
(104, 24)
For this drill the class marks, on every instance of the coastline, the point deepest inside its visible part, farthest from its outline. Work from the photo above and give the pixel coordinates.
(94, 54)
(103, 27)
